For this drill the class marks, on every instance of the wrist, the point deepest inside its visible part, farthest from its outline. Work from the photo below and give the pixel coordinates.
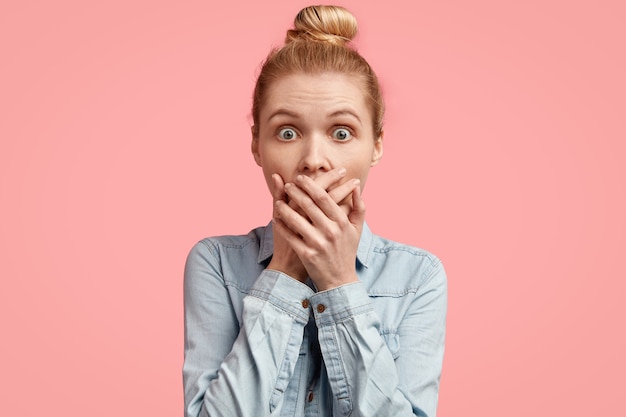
(324, 285)
(293, 270)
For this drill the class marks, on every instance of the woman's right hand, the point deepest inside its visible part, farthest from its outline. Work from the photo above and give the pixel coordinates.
(285, 259)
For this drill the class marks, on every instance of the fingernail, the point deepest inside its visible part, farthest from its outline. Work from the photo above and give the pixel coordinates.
(342, 172)
(288, 185)
(299, 178)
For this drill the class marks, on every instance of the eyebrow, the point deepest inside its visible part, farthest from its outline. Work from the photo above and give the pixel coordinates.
(289, 113)
(283, 112)
(345, 112)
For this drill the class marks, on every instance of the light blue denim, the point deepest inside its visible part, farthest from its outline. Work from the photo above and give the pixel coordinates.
(259, 343)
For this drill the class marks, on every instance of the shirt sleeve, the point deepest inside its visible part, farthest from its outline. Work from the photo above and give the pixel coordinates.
(366, 379)
(235, 372)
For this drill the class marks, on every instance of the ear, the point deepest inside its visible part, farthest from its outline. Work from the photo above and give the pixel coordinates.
(377, 154)
(254, 146)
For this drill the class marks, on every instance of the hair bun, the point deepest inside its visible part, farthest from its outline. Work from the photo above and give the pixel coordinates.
(332, 24)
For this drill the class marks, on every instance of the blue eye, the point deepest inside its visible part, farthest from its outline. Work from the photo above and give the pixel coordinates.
(287, 133)
(342, 134)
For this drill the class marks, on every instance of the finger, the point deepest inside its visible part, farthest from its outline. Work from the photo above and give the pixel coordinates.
(339, 192)
(327, 179)
(315, 201)
(293, 239)
(293, 220)
(278, 191)
(342, 192)
(357, 215)
(300, 202)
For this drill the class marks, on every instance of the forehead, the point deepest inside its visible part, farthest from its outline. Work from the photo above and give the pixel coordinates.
(315, 92)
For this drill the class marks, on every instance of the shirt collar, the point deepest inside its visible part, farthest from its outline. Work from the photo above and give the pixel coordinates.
(266, 237)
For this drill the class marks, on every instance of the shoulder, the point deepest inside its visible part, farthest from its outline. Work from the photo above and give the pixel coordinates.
(228, 253)
(383, 247)
(395, 264)
(216, 245)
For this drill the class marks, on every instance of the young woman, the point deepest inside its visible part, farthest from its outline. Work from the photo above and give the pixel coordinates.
(314, 315)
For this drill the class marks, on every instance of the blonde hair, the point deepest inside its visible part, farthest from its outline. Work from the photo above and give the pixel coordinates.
(319, 43)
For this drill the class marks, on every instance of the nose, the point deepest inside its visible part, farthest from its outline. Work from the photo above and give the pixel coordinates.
(315, 155)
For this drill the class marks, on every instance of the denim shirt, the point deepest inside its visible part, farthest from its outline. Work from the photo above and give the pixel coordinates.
(259, 343)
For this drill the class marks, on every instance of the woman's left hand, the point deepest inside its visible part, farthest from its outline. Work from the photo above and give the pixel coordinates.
(326, 240)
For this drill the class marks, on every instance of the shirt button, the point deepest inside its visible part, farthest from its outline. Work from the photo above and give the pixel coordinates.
(305, 303)
(310, 398)
(321, 308)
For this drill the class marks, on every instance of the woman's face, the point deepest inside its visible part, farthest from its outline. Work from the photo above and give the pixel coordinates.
(310, 124)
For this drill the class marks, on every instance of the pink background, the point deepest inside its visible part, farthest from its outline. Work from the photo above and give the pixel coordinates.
(124, 139)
